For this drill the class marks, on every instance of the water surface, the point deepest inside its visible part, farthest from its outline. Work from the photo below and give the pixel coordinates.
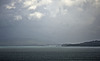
(45, 53)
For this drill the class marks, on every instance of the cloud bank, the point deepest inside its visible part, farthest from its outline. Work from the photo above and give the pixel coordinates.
(52, 8)
(56, 21)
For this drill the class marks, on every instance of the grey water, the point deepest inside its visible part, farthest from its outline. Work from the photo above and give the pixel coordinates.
(45, 53)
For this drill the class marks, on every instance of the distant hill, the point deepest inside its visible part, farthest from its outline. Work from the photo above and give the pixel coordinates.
(91, 43)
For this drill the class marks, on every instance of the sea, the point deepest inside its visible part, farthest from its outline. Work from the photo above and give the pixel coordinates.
(47, 53)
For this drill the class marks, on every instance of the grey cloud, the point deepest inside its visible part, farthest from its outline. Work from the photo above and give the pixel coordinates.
(79, 24)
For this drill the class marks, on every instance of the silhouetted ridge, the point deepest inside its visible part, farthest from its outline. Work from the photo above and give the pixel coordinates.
(91, 43)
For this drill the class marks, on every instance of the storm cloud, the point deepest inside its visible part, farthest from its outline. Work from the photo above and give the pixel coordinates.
(24, 22)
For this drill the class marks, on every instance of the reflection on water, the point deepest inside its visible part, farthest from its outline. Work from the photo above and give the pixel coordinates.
(42, 53)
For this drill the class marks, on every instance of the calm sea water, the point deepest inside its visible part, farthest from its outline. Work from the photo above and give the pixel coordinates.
(42, 53)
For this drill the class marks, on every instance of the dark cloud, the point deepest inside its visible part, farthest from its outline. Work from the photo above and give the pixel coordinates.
(79, 24)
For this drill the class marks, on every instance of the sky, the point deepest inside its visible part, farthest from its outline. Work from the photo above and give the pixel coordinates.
(28, 22)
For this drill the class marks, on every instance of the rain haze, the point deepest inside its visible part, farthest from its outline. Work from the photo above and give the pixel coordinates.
(28, 22)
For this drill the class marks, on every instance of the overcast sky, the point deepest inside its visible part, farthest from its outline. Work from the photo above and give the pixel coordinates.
(49, 21)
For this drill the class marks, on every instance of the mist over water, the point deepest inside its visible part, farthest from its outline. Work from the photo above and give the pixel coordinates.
(30, 29)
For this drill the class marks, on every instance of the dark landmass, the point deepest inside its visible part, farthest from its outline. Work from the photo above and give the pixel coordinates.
(95, 43)
(90, 44)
